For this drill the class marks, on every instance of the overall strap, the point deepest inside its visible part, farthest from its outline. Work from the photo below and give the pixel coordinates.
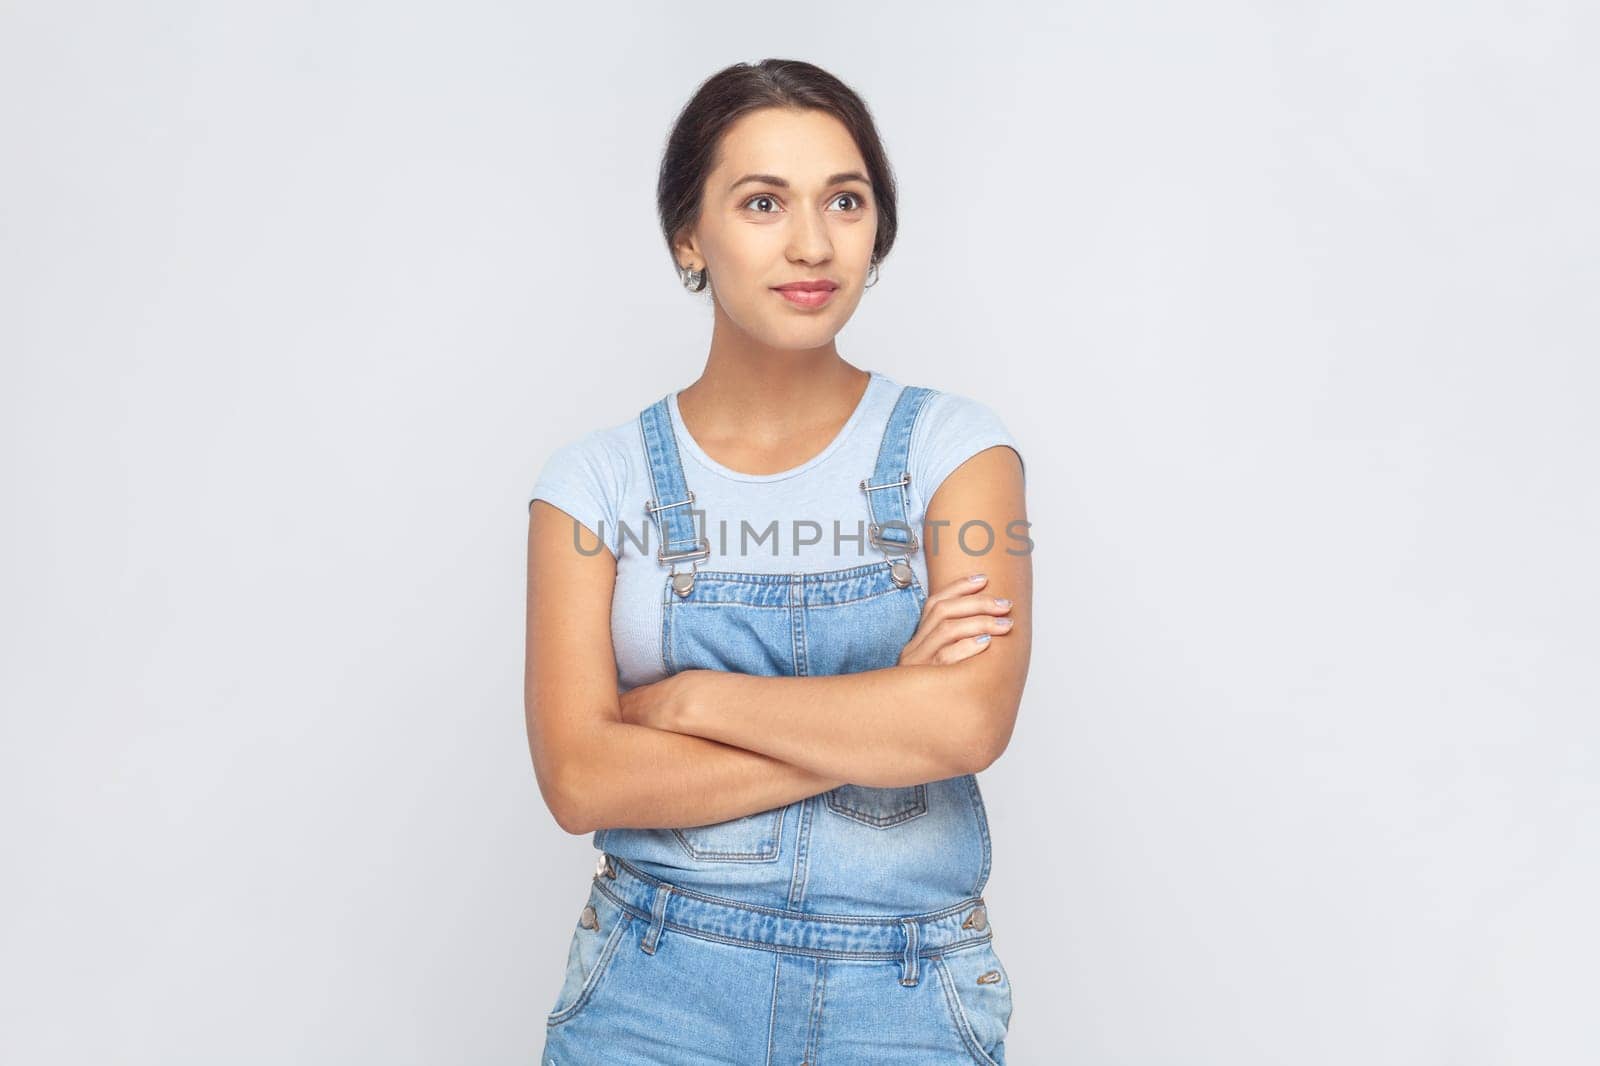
(890, 530)
(673, 499)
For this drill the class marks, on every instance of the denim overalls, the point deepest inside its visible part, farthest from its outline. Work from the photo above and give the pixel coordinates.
(847, 927)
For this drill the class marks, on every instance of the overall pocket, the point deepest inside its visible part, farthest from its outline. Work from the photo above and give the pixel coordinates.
(977, 994)
(753, 838)
(602, 927)
(879, 808)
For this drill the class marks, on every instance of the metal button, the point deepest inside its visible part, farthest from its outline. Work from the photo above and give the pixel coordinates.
(589, 919)
(989, 978)
(978, 919)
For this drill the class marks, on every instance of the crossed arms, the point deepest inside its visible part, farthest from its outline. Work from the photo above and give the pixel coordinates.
(704, 746)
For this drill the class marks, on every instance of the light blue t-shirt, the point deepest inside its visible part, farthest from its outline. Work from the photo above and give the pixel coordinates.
(807, 519)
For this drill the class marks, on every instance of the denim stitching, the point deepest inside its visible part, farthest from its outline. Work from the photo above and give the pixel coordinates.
(819, 991)
(959, 1014)
(696, 601)
(814, 577)
(667, 661)
(918, 808)
(851, 919)
(799, 659)
(738, 856)
(983, 834)
(602, 964)
(678, 455)
(800, 876)
(792, 949)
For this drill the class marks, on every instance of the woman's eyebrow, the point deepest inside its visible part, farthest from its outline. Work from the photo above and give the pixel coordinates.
(773, 179)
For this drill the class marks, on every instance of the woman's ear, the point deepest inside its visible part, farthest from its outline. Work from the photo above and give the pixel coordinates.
(686, 250)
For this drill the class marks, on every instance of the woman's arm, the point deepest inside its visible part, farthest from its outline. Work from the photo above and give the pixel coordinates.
(902, 725)
(594, 770)
(642, 778)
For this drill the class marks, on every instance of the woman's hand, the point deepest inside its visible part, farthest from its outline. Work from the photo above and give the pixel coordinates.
(952, 620)
(658, 704)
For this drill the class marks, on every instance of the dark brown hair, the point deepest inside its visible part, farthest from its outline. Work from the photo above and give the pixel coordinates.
(737, 90)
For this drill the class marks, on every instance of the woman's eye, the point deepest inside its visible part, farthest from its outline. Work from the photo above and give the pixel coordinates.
(855, 202)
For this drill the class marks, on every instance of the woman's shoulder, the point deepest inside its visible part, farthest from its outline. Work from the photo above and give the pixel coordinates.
(951, 427)
(944, 411)
(588, 476)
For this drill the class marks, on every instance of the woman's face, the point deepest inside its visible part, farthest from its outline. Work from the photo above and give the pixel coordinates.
(789, 200)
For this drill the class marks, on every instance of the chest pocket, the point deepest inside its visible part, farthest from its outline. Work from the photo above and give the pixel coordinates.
(879, 808)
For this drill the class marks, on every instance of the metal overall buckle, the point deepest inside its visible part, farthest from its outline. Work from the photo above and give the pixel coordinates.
(682, 584)
(899, 570)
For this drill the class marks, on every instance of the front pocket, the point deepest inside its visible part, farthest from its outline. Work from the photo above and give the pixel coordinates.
(977, 993)
(753, 838)
(879, 808)
(600, 929)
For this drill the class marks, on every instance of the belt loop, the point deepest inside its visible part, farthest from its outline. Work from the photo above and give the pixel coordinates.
(908, 961)
(658, 918)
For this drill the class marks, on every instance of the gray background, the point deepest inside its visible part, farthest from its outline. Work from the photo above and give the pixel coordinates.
(1293, 311)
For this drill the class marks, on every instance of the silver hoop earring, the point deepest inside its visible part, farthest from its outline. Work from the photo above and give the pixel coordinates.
(693, 280)
(872, 274)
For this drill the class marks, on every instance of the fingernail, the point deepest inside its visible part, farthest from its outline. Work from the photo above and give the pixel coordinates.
(1002, 621)
(1002, 603)
(977, 577)
(982, 638)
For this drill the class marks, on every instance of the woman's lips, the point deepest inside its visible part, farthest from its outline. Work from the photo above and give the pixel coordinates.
(807, 298)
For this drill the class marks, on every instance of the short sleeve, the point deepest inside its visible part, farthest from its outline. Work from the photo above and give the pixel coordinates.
(585, 480)
(950, 430)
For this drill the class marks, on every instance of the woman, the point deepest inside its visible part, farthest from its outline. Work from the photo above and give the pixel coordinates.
(738, 678)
